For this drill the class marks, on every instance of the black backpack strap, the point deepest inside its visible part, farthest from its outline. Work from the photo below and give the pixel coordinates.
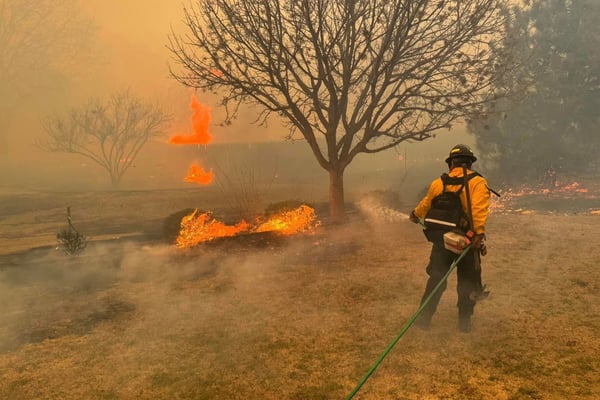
(476, 253)
(466, 179)
(444, 179)
(458, 180)
(448, 180)
(493, 191)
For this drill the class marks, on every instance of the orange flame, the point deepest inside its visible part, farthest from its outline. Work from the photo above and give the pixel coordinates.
(290, 222)
(197, 228)
(216, 72)
(200, 123)
(197, 174)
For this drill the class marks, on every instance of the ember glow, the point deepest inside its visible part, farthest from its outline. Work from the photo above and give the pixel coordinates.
(574, 187)
(197, 228)
(216, 72)
(290, 222)
(200, 124)
(561, 190)
(197, 174)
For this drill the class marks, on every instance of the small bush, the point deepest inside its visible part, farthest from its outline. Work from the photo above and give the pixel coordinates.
(71, 241)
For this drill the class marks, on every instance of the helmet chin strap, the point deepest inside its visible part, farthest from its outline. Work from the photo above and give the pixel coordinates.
(452, 164)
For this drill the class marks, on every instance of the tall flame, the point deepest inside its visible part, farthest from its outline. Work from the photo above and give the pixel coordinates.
(200, 135)
(197, 174)
(200, 124)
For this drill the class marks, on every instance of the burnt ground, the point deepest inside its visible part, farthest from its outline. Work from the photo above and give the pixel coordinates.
(302, 317)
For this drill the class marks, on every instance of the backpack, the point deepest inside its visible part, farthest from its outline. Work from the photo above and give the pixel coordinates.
(446, 213)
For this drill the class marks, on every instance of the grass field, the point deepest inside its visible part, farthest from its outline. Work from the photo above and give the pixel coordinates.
(300, 317)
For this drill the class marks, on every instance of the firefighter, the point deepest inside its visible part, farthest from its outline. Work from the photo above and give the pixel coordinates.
(469, 286)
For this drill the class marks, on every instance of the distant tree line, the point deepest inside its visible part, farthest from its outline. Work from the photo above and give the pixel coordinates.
(554, 124)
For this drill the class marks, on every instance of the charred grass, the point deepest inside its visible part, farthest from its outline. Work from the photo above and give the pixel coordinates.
(297, 318)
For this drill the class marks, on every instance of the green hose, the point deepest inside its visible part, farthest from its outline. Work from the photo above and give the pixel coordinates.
(409, 323)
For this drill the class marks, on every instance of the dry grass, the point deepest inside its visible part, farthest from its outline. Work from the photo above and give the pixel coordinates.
(300, 318)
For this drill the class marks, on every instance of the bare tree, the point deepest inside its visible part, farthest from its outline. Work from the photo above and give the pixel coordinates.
(40, 40)
(351, 76)
(110, 133)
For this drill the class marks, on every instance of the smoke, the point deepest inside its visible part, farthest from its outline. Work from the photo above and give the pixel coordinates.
(37, 289)
(46, 294)
(375, 209)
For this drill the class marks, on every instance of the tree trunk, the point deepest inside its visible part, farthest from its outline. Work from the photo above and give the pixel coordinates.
(115, 180)
(337, 211)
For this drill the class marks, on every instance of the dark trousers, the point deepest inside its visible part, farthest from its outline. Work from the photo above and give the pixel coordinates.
(468, 277)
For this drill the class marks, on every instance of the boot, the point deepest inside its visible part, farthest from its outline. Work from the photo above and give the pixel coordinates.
(480, 294)
(464, 323)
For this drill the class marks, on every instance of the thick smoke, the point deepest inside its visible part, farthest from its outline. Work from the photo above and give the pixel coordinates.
(46, 294)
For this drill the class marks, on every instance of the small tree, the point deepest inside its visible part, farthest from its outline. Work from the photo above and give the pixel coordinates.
(351, 77)
(110, 133)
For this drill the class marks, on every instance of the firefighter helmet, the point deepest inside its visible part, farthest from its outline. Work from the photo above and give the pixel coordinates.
(462, 151)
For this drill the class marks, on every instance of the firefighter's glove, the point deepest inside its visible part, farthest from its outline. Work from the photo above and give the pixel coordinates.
(413, 217)
(483, 249)
(478, 243)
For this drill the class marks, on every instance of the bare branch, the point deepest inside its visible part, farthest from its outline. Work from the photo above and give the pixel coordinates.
(365, 75)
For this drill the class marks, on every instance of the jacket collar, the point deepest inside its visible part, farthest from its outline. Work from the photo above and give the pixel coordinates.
(458, 172)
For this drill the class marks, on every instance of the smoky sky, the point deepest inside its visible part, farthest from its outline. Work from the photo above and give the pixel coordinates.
(128, 52)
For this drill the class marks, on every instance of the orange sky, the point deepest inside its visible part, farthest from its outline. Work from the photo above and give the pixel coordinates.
(130, 53)
(132, 38)
(133, 35)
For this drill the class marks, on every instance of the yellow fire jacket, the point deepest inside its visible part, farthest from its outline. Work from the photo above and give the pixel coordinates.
(478, 190)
